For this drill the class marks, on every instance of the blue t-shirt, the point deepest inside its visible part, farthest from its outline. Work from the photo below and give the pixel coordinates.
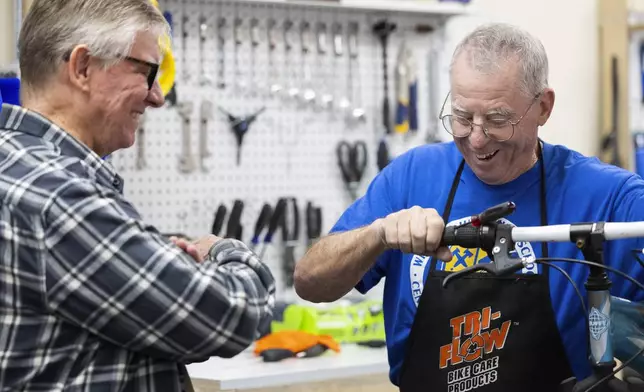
(579, 189)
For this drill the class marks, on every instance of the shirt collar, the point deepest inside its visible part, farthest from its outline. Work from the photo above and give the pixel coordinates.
(22, 120)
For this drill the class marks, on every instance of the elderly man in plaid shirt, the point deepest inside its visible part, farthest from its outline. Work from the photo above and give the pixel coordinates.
(91, 297)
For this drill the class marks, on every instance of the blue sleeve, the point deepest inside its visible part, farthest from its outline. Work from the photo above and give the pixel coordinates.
(376, 203)
(629, 207)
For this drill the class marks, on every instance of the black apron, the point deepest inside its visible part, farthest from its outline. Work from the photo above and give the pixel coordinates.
(485, 333)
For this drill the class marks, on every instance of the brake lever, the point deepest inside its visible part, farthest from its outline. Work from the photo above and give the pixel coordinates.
(501, 263)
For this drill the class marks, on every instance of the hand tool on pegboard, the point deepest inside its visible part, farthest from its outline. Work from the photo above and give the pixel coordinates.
(313, 223)
(186, 160)
(221, 53)
(412, 85)
(308, 94)
(240, 82)
(276, 222)
(406, 119)
(261, 225)
(343, 101)
(326, 97)
(185, 22)
(287, 30)
(204, 76)
(401, 74)
(352, 161)
(290, 236)
(234, 228)
(254, 84)
(220, 218)
(383, 29)
(271, 45)
(204, 151)
(358, 112)
(140, 159)
(609, 143)
(240, 125)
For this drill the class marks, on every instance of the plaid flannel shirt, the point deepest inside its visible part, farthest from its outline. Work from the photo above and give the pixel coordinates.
(92, 298)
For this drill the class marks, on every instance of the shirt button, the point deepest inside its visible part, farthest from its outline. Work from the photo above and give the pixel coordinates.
(116, 182)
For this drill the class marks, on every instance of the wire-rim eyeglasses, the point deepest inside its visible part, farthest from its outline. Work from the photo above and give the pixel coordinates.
(499, 127)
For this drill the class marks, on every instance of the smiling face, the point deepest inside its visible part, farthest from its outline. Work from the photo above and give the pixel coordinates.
(491, 98)
(119, 95)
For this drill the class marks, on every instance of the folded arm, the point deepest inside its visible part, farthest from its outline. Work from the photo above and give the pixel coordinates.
(121, 280)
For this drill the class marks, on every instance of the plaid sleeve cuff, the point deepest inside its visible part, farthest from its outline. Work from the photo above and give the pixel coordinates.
(221, 251)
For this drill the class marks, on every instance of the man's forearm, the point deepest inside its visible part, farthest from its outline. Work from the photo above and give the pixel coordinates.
(334, 265)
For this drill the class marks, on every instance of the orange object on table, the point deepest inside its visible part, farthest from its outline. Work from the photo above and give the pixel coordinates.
(294, 341)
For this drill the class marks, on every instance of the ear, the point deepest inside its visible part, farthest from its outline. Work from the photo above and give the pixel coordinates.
(546, 103)
(78, 67)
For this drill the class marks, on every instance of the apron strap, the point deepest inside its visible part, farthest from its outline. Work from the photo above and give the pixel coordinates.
(448, 204)
(452, 192)
(542, 202)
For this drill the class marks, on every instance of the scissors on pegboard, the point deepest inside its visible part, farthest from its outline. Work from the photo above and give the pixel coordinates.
(352, 160)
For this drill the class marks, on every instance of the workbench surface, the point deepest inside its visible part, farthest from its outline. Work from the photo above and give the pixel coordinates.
(246, 371)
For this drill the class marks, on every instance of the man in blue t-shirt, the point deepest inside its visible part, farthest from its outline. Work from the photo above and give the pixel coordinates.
(523, 333)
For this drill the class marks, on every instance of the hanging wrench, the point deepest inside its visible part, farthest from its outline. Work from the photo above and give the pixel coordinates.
(308, 95)
(338, 49)
(185, 22)
(357, 113)
(326, 98)
(237, 36)
(293, 90)
(204, 78)
(186, 160)
(140, 162)
(204, 152)
(221, 53)
(273, 74)
(254, 43)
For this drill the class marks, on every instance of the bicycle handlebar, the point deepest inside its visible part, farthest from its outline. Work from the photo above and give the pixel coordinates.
(472, 237)
(497, 239)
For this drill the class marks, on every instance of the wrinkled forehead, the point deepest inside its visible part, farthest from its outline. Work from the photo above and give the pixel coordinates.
(473, 89)
(476, 73)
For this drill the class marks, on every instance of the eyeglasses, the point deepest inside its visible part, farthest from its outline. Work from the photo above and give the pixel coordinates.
(499, 129)
(152, 73)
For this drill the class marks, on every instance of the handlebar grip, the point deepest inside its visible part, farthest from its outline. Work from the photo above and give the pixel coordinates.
(466, 236)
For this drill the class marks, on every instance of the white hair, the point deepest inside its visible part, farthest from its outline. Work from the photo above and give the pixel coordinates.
(491, 46)
(52, 28)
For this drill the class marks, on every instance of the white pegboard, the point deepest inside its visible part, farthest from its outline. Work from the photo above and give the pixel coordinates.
(290, 148)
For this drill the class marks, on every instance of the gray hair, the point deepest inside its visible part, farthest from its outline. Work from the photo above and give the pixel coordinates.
(492, 45)
(52, 28)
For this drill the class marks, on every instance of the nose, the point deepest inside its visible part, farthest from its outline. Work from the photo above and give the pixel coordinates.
(478, 139)
(155, 96)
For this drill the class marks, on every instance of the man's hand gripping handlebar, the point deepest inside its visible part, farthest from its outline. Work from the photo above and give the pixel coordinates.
(484, 232)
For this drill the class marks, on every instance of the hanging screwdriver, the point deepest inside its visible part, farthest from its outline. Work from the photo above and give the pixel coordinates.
(276, 221)
(261, 224)
(218, 222)
(234, 227)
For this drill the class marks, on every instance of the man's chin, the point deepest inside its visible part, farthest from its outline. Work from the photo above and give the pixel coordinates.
(490, 174)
